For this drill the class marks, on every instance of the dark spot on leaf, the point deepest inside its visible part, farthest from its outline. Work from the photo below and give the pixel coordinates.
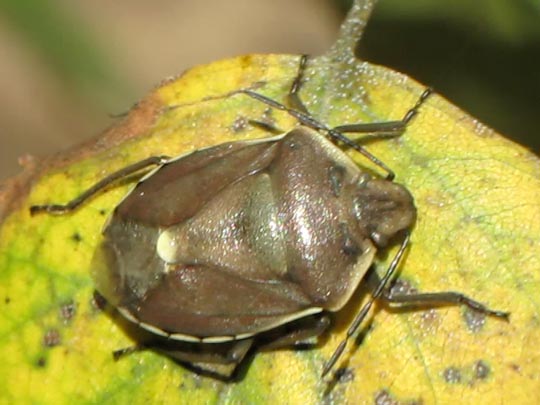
(41, 362)
(67, 311)
(474, 320)
(7, 300)
(98, 301)
(516, 367)
(344, 374)
(481, 370)
(52, 338)
(239, 124)
(452, 375)
(76, 237)
(383, 397)
(102, 212)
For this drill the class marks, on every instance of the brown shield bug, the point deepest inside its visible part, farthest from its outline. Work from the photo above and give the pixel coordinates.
(254, 242)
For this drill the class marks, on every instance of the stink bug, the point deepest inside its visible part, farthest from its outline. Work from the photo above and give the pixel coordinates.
(254, 242)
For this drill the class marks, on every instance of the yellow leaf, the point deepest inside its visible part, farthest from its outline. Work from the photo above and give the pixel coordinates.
(478, 232)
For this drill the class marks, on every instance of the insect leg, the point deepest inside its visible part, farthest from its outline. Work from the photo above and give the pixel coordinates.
(439, 299)
(266, 126)
(293, 96)
(219, 360)
(379, 290)
(100, 185)
(300, 332)
(388, 129)
(311, 122)
(126, 351)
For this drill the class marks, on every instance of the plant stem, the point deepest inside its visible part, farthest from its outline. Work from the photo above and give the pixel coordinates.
(351, 32)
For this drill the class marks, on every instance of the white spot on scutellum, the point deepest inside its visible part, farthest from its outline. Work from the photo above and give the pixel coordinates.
(167, 246)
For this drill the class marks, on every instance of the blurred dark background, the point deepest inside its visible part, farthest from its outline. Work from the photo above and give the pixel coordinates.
(483, 55)
(66, 66)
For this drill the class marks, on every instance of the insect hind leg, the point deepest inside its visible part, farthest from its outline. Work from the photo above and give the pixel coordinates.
(216, 360)
(60, 209)
(437, 299)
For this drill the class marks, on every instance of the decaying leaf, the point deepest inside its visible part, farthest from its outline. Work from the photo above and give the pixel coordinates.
(478, 232)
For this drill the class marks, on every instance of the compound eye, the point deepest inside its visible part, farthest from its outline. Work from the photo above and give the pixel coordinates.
(363, 179)
(379, 239)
